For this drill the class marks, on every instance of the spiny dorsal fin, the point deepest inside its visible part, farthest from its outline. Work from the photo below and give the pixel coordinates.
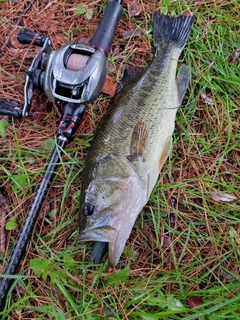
(183, 78)
(131, 75)
(138, 141)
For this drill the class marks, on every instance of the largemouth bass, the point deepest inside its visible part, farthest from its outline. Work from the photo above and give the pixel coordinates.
(133, 142)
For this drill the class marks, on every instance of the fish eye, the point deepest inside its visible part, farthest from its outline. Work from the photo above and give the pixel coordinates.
(88, 209)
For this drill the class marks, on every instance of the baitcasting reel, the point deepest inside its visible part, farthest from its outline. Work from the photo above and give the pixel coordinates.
(74, 73)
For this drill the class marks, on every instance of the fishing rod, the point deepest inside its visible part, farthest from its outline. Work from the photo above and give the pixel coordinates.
(71, 77)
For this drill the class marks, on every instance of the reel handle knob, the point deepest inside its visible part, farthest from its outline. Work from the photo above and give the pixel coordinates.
(26, 36)
(10, 109)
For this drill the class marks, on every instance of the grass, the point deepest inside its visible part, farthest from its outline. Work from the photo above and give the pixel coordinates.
(185, 245)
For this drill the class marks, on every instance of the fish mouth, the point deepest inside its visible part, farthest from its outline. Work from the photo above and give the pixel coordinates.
(115, 239)
(103, 234)
(102, 230)
(113, 234)
(113, 230)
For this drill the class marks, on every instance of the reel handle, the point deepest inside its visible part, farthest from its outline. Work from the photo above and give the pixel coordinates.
(26, 36)
(10, 109)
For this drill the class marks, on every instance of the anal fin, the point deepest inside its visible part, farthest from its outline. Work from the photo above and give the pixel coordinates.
(165, 152)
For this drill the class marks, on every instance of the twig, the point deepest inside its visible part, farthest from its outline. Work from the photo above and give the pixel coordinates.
(18, 23)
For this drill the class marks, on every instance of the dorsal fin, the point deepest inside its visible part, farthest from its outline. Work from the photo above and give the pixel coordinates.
(131, 75)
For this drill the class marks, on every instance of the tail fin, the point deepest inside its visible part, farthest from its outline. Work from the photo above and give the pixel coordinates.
(168, 29)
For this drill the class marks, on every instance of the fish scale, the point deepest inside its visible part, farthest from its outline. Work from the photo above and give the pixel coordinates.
(133, 142)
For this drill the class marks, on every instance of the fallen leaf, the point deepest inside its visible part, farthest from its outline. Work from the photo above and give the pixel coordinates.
(14, 41)
(166, 241)
(136, 254)
(131, 34)
(194, 302)
(227, 275)
(109, 87)
(207, 99)
(134, 8)
(186, 13)
(172, 219)
(236, 56)
(222, 197)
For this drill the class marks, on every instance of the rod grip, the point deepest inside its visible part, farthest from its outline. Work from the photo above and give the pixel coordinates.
(105, 32)
(26, 36)
(10, 109)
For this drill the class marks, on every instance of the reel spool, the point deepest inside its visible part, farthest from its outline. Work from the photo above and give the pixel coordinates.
(76, 62)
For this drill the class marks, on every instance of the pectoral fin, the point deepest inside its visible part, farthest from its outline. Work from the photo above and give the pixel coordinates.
(138, 141)
(165, 152)
(183, 78)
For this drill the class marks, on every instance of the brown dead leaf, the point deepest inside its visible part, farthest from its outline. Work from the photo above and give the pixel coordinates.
(109, 87)
(194, 302)
(186, 13)
(236, 56)
(228, 275)
(136, 254)
(222, 197)
(207, 99)
(134, 8)
(166, 241)
(14, 40)
(131, 34)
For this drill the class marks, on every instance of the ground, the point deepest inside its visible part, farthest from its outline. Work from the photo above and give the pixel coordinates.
(182, 258)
